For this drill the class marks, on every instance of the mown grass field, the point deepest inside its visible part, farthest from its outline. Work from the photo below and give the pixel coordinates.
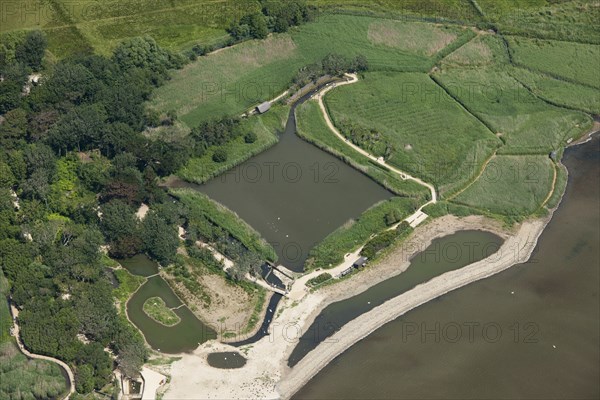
(526, 124)
(574, 62)
(235, 79)
(432, 136)
(511, 186)
(20, 377)
(559, 92)
(202, 169)
(484, 50)
(331, 251)
(227, 220)
(573, 20)
(313, 128)
(92, 25)
(457, 10)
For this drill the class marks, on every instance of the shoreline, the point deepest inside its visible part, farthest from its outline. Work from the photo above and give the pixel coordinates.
(266, 374)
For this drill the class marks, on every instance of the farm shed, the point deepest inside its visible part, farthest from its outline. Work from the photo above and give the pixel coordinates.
(264, 107)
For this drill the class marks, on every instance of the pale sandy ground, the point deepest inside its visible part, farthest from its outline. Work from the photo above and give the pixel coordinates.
(152, 382)
(266, 375)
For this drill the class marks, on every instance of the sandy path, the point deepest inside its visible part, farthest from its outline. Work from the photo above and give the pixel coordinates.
(266, 374)
(64, 366)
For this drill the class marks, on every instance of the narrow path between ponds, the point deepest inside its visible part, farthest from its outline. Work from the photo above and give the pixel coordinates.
(71, 378)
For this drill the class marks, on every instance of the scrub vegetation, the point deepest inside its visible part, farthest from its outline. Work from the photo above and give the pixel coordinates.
(206, 214)
(21, 377)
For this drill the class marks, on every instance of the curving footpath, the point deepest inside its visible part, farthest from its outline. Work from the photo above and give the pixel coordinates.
(353, 78)
(299, 288)
(15, 332)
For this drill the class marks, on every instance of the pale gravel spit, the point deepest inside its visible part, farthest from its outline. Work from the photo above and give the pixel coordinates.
(266, 374)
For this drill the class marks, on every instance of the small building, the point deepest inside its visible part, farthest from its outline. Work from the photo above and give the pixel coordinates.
(264, 107)
(346, 272)
(361, 262)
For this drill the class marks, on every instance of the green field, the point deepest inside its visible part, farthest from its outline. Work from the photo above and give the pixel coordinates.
(573, 20)
(484, 50)
(563, 60)
(559, 92)
(226, 219)
(352, 235)
(458, 10)
(201, 169)
(432, 136)
(231, 81)
(511, 186)
(525, 123)
(312, 127)
(91, 25)
(97, 26)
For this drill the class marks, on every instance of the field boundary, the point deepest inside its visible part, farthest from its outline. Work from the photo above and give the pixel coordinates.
(464, 106)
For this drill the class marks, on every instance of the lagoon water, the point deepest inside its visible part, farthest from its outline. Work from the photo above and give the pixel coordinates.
(294, 195)
(531, 332)
(183, 337)
(443, 255)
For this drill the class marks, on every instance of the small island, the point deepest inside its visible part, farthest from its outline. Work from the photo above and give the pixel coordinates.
(156, 309)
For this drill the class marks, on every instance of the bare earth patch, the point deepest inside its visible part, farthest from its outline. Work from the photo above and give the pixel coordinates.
(229, 309)
(427, 39)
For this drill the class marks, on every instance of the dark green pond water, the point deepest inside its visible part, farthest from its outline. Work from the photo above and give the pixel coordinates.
(443, 255)
(226, 360)
(294, 195)
(535, 327)
(183, 337)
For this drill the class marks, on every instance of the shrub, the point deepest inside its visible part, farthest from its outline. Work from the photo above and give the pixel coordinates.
(219, 156)
(250, 137)
(319, 279)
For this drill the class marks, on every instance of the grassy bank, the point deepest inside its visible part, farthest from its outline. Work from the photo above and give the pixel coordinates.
(128, 284)
(202, 169)
(221, 216)
(313, 128)
(331, 251)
